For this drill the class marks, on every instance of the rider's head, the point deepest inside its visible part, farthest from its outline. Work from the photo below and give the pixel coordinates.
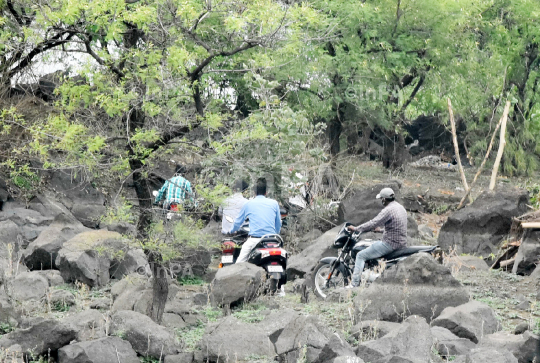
(180, 169)
(239, 186)
(386, 195)
(260, 188)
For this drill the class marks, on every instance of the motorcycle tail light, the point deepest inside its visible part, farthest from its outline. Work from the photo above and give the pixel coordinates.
(228, 247)
(174, 207)
(275, 251)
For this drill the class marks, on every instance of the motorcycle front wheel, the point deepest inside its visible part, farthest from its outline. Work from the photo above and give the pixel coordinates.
(320, 278)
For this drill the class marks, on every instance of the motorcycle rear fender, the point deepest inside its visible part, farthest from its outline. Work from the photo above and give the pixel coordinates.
(330, 260)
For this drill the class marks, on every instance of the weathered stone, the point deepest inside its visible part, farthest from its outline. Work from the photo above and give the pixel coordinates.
(89, 324)
(179, 358)
(53, 277)
(236, 284)
(480, 227)
(61, 299)
(466, 262)
(41, 254)
(525, 347)
(104, 350)
(372, 329)
(471, 320)
(29, 286)
(528, 255)
(416, 286)
(218, 345)
(39, 338)
(308, 239)
(448, 344)
(490, 355)
(521, 328)
(87, 257)
(145, 336)
(412, 341)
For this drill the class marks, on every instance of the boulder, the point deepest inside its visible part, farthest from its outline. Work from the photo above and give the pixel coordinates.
(8, 316)
(236, 284)
(275, 321)
(85, 202)
(417, 285)
(361, 205)
(480, 227)
(29, 222)
(528, 255)
(61, 299)
(372, 329)
(40, 338)
(471, 320)
(29, 286)
(347, 359)
(466, 262)
(133, 260)
(42, 252)
(146, 337)
(53, 277)
(104, 350)
(306, 336)
(308, 239)
(88, 257)
(301, 264)
(490, 355)
(124, 228)
(525, 347)
(448, 344)
(89, 324)
(9, 233)
(411, 341)
(247, 340)
(193, 262)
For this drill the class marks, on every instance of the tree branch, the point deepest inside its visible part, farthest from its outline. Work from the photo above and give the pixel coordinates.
(14, 13)
(98, 59)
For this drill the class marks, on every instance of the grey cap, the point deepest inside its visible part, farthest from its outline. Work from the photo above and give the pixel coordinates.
(386, 193)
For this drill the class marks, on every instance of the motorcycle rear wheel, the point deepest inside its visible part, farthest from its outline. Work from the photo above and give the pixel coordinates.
(320, 277)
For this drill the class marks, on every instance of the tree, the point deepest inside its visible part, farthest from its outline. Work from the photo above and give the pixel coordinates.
(144, 86)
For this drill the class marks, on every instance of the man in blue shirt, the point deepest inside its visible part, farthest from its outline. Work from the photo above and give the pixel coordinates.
(264, 218)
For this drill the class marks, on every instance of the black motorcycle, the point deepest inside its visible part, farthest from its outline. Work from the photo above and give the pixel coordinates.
(334, 272)
(268, 254)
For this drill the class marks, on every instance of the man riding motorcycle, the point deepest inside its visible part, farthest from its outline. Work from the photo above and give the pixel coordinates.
(394, 219)
(232, 206)
(175, 190)
(264, 218)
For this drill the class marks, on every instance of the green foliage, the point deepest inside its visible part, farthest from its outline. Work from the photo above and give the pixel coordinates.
(6, 328)
(250, 313)
(190, 337)
(120, 211)
(190, 280)
(534, 192)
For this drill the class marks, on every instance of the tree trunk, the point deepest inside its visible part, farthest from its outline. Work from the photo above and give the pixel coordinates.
(394, 151)
(197, 96)
(142, 189)
(333, 132)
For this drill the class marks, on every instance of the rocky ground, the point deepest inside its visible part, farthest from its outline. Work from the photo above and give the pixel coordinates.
(72, 292)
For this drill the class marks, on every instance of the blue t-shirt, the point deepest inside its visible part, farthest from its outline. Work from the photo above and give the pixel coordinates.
(264, 217)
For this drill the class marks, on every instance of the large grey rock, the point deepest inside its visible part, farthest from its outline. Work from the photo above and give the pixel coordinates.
(528, 255)
(145, 336)
(480, 227)
(412, 341)
(42, 252)
(88, 257)
(78, 195)
(39, 338)
(179, 358)
(133, 260)
(61, 299)
(490, 355)
(9, 232)
(305, 335)
(193, 262)
(236, 284)
(525, 347)
(104, 350)
(372, 329)
(53, 277)
(29, 286)
(233, 340)
(448, 344)
(416, 286)
(299, 265)
(89, 324)
(472, 320)
(8, 315)
(360, 205)
(29, 222)
(276, 320)
(466, 262)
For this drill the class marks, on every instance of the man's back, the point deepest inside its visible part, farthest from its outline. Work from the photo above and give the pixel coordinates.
(263, 214)
(175, 189)
(232, 208)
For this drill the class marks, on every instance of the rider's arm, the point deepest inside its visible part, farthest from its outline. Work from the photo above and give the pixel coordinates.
(240, 219)
(161, 192)
(378, 221)
(278, 218)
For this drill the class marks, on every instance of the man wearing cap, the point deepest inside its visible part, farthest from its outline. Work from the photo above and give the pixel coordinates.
(394, 219)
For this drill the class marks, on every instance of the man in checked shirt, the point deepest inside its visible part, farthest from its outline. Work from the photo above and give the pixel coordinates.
(394, 219)
(175, 190)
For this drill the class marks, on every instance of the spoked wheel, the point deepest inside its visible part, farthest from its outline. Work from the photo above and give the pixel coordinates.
(323, 285)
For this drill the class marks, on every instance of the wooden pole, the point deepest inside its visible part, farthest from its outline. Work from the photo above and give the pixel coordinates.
(456, 148)
(486, 157)
(502, 143)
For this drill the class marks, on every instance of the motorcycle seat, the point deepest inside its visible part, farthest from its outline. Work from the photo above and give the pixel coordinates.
(409, 251)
